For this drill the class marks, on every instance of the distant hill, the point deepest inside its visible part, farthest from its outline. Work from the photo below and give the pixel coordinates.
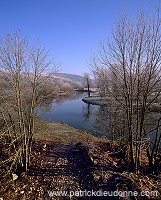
(73, 77)
(69, 80)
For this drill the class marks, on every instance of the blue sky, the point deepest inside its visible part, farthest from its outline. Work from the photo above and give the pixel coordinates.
(71, 29)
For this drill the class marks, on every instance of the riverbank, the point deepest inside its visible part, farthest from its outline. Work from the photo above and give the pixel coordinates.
(96, 100)
(62, 133)
(67, 159)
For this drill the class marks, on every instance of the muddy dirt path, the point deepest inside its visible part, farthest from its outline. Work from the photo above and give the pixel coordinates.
(51, 162)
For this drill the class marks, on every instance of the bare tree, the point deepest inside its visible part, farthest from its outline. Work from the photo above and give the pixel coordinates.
(87, 82)
(100, 75)
(23, 76)
(132, 57)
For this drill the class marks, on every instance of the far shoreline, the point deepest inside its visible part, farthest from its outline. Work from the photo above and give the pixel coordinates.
(101, 101)
(96, 100)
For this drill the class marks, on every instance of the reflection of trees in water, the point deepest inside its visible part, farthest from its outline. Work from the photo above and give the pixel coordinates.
(77, 95)
(105, 120)
(87, 111)
(110, 121)
(46, 105)
(61, 99)
(101, 125)
(151, 124)
(96, 121)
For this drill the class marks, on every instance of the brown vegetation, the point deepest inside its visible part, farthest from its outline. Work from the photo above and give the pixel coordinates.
(60, 161)
(128, 70)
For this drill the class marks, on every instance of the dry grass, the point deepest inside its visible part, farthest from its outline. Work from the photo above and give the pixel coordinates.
(53, 151)
(62, 133)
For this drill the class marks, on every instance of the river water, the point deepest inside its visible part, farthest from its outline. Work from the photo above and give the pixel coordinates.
(93, 119)
(74, 112)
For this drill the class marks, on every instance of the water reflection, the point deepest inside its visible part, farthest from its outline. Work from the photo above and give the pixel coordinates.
(101, 121)
(105, 121)
(96, 118)
(74, 112)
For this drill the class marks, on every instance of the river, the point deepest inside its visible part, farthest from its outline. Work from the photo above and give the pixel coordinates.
(74, 112)
(93, 119)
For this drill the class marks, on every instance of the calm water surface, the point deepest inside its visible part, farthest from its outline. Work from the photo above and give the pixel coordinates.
(93, 119)
(74, 112)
